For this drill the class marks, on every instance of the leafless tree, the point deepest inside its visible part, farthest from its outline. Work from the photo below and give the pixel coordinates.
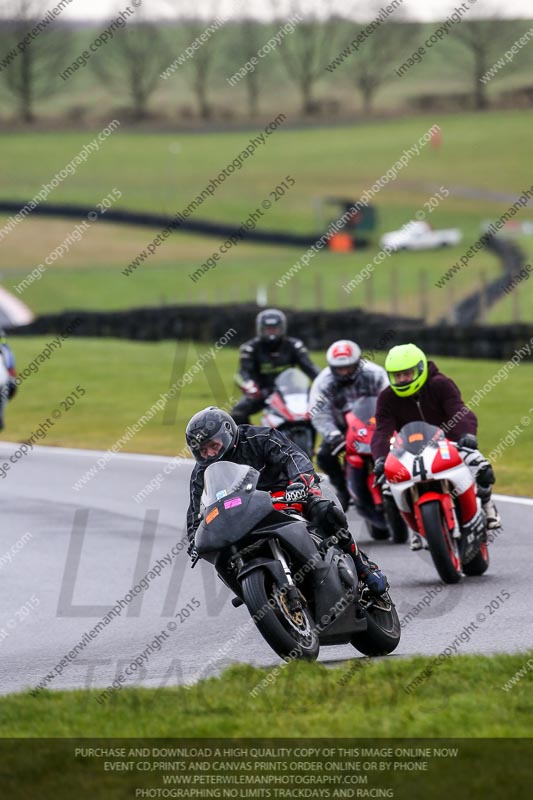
(30, 66)
(483, 42)
(307, 51)
(371, 64)
(250, 42)
(199, 68)
(137, 55)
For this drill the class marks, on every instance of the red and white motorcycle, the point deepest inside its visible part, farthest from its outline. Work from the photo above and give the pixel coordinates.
(436, 495)
(287, 409)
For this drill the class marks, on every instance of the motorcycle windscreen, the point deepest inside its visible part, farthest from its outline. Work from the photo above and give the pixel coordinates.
(414, 437)
(292, 381)
(230, 505)
(364, 408)
(293, 386)
(224, 478)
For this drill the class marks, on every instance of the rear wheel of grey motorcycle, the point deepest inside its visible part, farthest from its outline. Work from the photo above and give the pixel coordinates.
(291, 634)
(383, 632)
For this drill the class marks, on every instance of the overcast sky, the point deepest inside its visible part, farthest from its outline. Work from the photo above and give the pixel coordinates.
(416, 9)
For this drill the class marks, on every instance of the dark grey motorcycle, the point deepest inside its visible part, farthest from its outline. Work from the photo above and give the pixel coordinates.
(301, 590)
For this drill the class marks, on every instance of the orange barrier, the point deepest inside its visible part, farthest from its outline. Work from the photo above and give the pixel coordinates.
(341, 243)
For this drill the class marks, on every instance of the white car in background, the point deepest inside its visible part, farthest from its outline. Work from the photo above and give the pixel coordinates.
(419, 235)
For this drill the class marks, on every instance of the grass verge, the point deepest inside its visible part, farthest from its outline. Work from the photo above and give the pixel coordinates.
(463, 697)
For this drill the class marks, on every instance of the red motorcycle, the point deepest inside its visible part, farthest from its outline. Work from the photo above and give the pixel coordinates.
(287, 409)
(373, 504)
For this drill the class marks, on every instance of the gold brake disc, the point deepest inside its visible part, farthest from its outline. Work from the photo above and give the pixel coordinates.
(296, 616)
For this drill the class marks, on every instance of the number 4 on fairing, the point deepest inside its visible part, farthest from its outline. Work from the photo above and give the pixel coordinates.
(419, 468)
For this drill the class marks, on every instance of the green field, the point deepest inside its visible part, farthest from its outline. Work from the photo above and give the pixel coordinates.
(340, 161)
(238, 277)
(517, 304)
(153, 176)
(123, 379)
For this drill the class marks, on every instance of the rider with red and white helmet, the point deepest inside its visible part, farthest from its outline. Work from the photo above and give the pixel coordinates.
(347, 377)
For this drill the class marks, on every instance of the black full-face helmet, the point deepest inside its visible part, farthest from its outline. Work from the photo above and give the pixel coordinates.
(271, 325)
(211, 434)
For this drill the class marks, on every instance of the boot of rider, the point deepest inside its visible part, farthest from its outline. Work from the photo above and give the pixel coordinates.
(483, 475)
(367, 571)
(329, 520)
(494, 521)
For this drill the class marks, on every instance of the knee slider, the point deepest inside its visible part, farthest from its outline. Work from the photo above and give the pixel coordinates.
(336, 518)
(485, 477)
(325, 515)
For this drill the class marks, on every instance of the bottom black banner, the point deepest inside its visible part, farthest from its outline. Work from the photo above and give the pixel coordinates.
(266, 768)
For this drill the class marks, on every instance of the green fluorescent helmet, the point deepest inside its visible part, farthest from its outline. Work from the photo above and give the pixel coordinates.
(404, 357)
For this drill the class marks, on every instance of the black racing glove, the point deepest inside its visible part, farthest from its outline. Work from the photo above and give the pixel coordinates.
(335, 441)
(467, 441)
(11, 389)
(379, 466)
(379, 470)
(310, 481)
(296, 492)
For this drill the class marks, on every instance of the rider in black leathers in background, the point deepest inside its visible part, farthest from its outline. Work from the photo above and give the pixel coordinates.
(263, 358)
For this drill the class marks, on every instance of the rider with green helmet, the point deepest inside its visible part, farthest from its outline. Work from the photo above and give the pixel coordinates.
(407, 367)
(419, 391)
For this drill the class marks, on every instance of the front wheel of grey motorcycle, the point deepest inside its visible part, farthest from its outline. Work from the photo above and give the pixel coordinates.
(291, 633)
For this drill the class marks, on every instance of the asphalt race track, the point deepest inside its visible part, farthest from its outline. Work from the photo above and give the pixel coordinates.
(89, 547)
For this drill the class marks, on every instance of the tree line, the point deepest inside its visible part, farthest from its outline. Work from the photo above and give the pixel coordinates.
(142, 57)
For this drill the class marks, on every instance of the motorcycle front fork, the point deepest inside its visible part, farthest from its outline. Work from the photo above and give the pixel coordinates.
(278, 554)
(292, 593)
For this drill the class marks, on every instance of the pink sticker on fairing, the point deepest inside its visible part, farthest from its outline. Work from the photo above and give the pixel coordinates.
(235, 501)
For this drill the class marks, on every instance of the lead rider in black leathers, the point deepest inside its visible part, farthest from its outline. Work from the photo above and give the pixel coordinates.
(263, 358)
(213, 435)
